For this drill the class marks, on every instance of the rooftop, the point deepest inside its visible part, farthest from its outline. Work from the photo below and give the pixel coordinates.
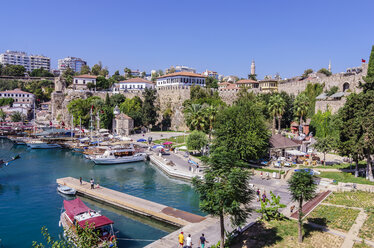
(85, 76)
(136, 80)
(246, 81)
(183, 73)
(15, 91)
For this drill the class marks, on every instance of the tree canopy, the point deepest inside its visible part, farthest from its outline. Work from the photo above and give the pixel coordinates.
(196, 140)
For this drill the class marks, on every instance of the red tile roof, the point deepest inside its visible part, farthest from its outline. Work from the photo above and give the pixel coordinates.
(232, 87)
(183, 73)
(85, 76)
(15, 91)
(136, 80)
(246, 81)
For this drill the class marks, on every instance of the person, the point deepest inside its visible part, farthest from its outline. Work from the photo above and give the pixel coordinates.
(80, 180)
(264, 196)
(181, 239)
(92, 183)
(203, 241)
(189, 241)
(292, 208)
(258, 194)
(262, 175)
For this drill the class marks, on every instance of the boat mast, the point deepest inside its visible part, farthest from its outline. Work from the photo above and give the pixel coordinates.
(98, 127)
(80, 126)
(91, 127)
(34, 118)
(72, 127)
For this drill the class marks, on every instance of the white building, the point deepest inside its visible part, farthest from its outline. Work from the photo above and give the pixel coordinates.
(212, 74)
(133, 84)
(21, 98)
(72, 62)
(80, 82)
(180, 68)
(31, 62)
(181, 79)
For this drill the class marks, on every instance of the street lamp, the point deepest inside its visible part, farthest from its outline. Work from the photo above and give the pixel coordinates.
(116, 111)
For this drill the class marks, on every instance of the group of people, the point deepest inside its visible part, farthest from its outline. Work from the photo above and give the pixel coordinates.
(188, 240)
(92, 182)
(259, 196)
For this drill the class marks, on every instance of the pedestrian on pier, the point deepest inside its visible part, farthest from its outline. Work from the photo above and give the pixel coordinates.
(264, 196)
(92, 183)
(181, 240)
(80, 180)
(258, 193)
(189, 241)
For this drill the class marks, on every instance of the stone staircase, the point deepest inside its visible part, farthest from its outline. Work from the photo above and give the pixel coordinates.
(312, 204)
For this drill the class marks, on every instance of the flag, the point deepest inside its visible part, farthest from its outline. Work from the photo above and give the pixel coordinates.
(82, 130)
(363, 61)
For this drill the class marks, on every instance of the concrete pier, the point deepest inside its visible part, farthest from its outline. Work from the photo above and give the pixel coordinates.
(132, 204)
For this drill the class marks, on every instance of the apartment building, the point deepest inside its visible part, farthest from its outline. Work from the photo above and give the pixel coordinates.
(181, 79)
(72, 62)
(30, 62)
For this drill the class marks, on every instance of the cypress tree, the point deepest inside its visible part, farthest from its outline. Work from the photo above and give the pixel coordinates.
(369, 79)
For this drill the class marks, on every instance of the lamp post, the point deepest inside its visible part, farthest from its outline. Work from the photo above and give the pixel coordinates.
(116, 111)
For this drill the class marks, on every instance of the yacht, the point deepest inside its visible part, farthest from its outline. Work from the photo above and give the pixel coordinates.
(118, 155)
(78, 214)
(38, 144)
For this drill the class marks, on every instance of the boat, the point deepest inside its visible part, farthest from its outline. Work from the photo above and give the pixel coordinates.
(66, 190)
(38, 144)
(78, 214)
(118, 155)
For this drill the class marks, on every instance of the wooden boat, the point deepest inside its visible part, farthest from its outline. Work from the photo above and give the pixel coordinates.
(77, 213)
(118, 155)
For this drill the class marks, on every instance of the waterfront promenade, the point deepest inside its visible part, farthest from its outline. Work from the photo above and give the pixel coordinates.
(132, 204)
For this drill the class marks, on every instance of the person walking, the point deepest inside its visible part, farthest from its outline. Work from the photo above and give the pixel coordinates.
(264, 196)
(189, 241)
(80, 180)
(203, 241)
(262, 175)
(92, 183)
(258, 193)
(181, 240)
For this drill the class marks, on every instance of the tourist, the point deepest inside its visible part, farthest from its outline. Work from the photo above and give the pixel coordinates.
(189, 241)
(181, 239)
(264, 196)
(261, 175)
(92, 183)
(203, 241)
(258, 193)
(80, 180)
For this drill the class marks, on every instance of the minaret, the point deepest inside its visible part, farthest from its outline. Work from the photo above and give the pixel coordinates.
(253, 68)
(330, 66)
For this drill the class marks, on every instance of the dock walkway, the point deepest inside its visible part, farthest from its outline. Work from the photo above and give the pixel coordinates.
(132, 204)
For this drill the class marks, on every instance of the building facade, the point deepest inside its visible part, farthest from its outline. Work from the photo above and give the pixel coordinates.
(180, 68)
(123, 124)
(247, 83)
(268, 85)
(74, 63)
(212, 74)
(181, 79)
(30, 62)
(133, 84)
(80, 82)
(21, 98)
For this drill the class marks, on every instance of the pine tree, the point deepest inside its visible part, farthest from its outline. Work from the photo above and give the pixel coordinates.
(369, 79)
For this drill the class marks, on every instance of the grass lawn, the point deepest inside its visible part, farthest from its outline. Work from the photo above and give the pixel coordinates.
(334, 217)
(345, 177)
(267, 170)
(358, 199)
(361, 164)
(284, 234)
(367, 230)
(361, 245)
(175, 140)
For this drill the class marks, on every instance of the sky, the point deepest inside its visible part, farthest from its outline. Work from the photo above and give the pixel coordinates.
(284, 37)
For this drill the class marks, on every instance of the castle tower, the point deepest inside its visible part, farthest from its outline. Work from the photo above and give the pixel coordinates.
(330, 66)
(253, 68)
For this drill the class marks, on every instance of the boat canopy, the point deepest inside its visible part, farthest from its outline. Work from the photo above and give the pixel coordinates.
(97, 222)
(75, 207)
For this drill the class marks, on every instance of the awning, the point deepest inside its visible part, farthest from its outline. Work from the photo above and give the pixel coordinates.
(192, 162)
(337, 95)
(141, 140)
(295, 153)
(98, 221)
(75, 207)
(323, 96)
(167, 143)
(157, 146)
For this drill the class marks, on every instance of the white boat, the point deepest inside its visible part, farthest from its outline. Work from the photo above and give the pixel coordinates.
(66, 190)
(38, 144)
(118, 155)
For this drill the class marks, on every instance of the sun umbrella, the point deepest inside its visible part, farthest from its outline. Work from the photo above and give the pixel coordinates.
(167, 143)
(157, 146)
(141, 140)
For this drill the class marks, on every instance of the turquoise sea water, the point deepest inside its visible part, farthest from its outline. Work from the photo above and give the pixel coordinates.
(29, 200)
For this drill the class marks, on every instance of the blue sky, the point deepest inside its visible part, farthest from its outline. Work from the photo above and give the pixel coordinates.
(281, 36)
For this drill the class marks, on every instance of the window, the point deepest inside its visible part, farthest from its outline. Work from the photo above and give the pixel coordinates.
(76, 81)
(84, 81)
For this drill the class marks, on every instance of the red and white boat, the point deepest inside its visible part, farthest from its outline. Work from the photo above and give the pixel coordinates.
(77, 213)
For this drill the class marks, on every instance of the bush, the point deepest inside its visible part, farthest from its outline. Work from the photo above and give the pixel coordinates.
(325, 71)
(270, 208)
(196, 140)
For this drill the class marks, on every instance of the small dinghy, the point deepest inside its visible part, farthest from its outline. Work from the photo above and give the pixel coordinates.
(66, 190)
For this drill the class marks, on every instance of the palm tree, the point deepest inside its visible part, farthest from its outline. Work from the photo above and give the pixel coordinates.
(301, 106)
(195, 118)
(211, 113)
(2, 115)
(276, 107)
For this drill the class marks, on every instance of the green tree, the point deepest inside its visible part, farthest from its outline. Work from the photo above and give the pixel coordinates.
(117, 99)
(96, 69)
(301, 106)
(276, 108)
(102, 83)
(224, 190)
(252, 77)
(325, 71)
(332, 90)
(85, 69)
(241, 128)
(166, 119)
(197, 140)
(127, 73)
(211, 114)
(68, 76)
(149, 110)
(133, 108)
(195, 117)
(302, 188)
(306, 73)
(41, 73)
(312, 90)
(270, 208)
(117, 77)
(6, 101)
(17, 117)
(13, 70)
(211, 82)
(369, 78)
(324, 145)
(2, 115)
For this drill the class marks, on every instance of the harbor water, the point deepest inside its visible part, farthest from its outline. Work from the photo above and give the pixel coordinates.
(29, 200)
